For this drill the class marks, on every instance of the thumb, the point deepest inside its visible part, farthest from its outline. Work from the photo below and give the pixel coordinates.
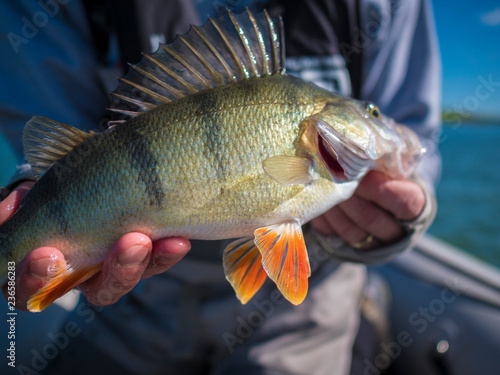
(9, 205)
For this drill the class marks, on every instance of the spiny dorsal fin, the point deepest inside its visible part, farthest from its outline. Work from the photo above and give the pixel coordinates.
(46, 141)
(227, 49)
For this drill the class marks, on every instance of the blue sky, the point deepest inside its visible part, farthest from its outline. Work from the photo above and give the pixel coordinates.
(469, 38)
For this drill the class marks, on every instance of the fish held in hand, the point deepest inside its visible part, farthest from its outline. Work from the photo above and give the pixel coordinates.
(214, 141)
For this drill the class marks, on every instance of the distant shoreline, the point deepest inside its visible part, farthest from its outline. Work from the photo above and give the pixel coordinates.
(471, 123)
(451, 118)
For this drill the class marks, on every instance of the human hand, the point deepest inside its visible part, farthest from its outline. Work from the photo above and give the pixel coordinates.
(132, 257)
(371, 216)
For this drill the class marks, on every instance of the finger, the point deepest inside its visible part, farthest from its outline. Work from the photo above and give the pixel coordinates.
(404, 199)
(33, 273)
(9, 205)
(321, 226)
(343, 226)
(166, 253)
(122, 270)
(372, 219)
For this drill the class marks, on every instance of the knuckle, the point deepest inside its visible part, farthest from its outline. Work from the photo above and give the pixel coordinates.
(107, 295)
(369, 217)
(111, 289)
(416, 205)
(412, 206)
(126, 275)
(344, 226)
(353, 234)
(102, 299)
(125, 279)
(392, 233)
(162, 263)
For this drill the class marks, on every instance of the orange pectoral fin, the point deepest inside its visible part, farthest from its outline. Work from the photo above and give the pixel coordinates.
(284, 257)
(243, 268)
(62, 281)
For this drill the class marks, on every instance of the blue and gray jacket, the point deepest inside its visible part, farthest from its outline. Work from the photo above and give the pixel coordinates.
(61, 58)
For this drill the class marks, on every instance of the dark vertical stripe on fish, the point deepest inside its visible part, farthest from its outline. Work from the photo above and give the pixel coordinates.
(209, 108)
(54, 200)
(146, 165)
(59, 211)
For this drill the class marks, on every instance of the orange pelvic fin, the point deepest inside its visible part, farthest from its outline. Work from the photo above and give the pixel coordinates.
(284, 257)
(243, 268)
(62, 281)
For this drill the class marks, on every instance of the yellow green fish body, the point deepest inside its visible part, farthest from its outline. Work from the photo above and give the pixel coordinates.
(189, 168)
(250, 157)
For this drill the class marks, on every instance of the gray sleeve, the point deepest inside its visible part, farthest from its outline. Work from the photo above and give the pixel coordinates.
(402, 75)
(23, 173)
(402, 71)
(340, 250)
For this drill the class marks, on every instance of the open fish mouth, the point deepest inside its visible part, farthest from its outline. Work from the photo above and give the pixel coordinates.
(344, 159)
(352, 139)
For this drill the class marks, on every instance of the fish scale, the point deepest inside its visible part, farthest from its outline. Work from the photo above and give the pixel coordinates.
(251, 154)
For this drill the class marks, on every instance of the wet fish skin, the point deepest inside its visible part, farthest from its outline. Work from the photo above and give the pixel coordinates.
(173, 171)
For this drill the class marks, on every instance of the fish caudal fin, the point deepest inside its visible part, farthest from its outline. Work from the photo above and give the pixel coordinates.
(284, 257)
(228, 49)
(62, 281)
(243, 268)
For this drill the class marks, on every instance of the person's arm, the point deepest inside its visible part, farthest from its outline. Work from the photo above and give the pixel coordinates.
(402, 76)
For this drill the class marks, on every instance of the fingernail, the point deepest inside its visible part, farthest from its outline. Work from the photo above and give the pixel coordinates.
(133, 256)
(44, 268)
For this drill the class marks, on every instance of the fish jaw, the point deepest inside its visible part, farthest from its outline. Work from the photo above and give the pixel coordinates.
(406, 156)
(342, 161)
(351, 140)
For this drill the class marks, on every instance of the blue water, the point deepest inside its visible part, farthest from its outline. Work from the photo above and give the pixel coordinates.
(468, 194)
(7, 161)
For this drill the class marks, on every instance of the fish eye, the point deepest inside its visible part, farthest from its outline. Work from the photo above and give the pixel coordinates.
(373, 109)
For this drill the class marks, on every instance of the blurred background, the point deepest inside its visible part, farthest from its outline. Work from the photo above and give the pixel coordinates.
(469, 191)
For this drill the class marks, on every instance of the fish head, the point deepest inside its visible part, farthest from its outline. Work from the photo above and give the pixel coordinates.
(353, 137)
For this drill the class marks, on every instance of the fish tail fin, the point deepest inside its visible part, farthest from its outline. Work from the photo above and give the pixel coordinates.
(62, 281)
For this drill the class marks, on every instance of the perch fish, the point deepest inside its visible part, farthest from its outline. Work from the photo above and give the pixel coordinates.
(214, 141)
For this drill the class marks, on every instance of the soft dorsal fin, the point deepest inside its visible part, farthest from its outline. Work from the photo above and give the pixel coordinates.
(230, 48)
(46, 141)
